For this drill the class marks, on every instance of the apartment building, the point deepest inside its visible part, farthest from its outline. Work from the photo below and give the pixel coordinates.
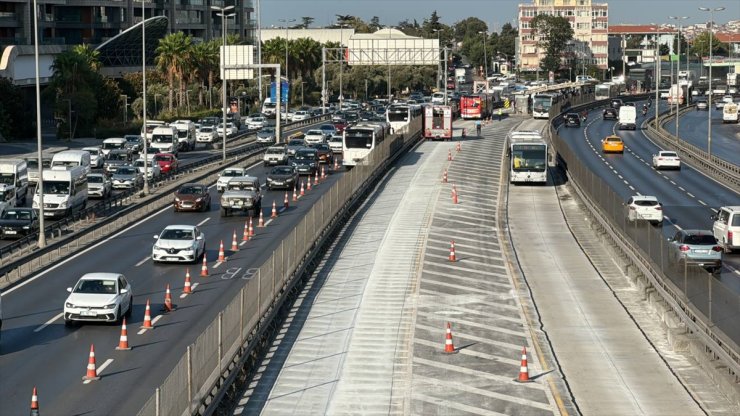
(72, 22)
(590, 23)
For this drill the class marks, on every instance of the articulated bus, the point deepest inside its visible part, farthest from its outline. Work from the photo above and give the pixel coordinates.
(606, 90)
(527, 152)
(477, 107)
(437, 122)
(359, 140)
(400, 115)
(541, 104)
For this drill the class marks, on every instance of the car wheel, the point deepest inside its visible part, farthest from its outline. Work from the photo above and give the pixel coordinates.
(69, 323)
(726, 247)
(224, 212)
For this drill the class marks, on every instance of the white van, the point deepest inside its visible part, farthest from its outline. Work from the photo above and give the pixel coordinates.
(64, 191)
(112, 144)
(149, 130)
(96, 156)
(68, 159)
(165, 139)
(268, 108)
(627, 117)
(15, 172)
(185, 134)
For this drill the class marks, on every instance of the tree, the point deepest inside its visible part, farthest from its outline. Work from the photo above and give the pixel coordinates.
(173, 54)
(12, 116)
(700, 46)
(663, 49)
(507, 40)
(375, 24)
(553, 32)
(306, 22)
(468, 28)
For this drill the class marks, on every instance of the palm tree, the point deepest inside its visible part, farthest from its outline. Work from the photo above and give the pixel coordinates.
(206, 59)
(91, 56)
(273, 51)
(173, 53)
(307, 54)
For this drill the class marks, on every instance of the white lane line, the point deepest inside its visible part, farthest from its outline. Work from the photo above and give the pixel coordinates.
(702, 202)
(142, 261)
(620, 176)
(690, 194)
(671, 222)
(204, 221)
(268, 222)
(100, 369)
(714, 209)
(681, 188)
(625, 182)
(218, 263)
(49, 322)
(673, 183)
(154, 321)
(192, 288)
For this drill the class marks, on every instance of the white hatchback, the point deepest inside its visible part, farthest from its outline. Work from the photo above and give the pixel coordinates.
(102, 297)
(666, 159)
(645, 208)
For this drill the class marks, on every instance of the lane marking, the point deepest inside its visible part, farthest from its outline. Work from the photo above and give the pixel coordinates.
(632, 187)
(204, 221)
(681, 188)
(714, 209)
(192, 288)
(218, 263)
(702, 202)
(49, 322)
(100, 369)
(142, 261)
(268, 222)
(690, 194)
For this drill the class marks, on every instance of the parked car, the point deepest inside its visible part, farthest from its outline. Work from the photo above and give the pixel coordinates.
(192, 197)
(18, 222)
(266, 135)
(127, 177)
(326, 155)
(726, 227)
(179, 243)
(645, 208)
(98, 185)
(612, 144)
(572, 120)
(226, 176)
(666, 159)
(101, 297)
(282, 176)
(697, 247)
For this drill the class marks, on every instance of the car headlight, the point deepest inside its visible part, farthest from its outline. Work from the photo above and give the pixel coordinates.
(199, 199)
(269, 179)
(69, 305)
(177, 199)
(110, 306)
(26, 227)
(63, 204)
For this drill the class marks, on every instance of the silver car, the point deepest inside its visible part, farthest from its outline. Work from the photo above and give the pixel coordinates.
(697, 247)
(179, 243)
(98, 185)
(127, 176)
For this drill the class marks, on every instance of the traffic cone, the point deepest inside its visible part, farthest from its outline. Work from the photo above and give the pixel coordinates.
(204, 268)
(444, 177)
(261, 221)
(449, 346)
(323, 172)
(316, 178)
(168, 306)
(449, 155)
(147, 317)
(251, 229)
(187, 288)
(308, 184)
(303, 192)
(295, 195)
(524, 370)
(274, 210)
(454, 194)
(336, 165)
(34, 403)
(245, 236)
(221, 254)
(92, 373)
(234, 243)
(123, 341)
(452, 257)
(285, 200)
(459, 146)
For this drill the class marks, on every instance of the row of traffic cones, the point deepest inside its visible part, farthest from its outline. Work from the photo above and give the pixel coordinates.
(523, 369)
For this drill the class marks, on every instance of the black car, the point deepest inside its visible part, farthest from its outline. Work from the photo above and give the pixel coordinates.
(18, 222)
(282, 176)
(610, 114)
(572, 120)
(616, 103)
(306, 161)
(326, 155)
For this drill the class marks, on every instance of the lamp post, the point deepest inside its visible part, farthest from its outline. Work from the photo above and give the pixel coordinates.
(125, 108)
(485, 55)
(143, 96)
(156, 110)
(42, 233)
(439, 64)
(259, 49)
(287, 75)
(388, 58)
(224, 15)
(678, 66)
(709, 101)
(341, 66)
(302, 84)
(69, 116)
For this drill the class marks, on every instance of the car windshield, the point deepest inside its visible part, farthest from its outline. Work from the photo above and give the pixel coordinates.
(190, 190)
(93, 152)
(12, 214)
(669, 154)
(95, 286)
(700, 239)
(267, 131)
(240, 186)
(112, 146)
(132, 139)
(95, 179)
(232, 172)
(315, 132)
(163, 158)
(125, 171)
(139, 163)
(305, 154)
(282, 170)
(275, 151)
(613, 139)
(161, 138)
(176, 234)
(56, 188)
(206, 130)
(296, 142)
(118, 156)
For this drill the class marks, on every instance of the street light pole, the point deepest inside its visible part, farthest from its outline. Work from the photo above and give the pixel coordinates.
(485, 57)
(439, 64)
(678, 67)
(143, 94)
(40, 185)
(287, 78)
(388, 58)
(709, 101)
(222, 12)
(259, 49)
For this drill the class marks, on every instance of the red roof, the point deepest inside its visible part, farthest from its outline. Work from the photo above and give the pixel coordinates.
(728, 37)
(638, 29)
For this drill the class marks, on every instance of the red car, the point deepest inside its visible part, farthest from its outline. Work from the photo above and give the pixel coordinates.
(167, 162)
(340, 125)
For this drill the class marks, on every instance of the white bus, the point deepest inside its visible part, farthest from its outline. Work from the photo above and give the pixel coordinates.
(358, 141)
(64, 191)
(606, 90)
(527, 152)
(541, 104)
(401, 115)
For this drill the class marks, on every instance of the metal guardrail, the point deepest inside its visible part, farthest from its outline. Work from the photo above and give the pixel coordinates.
(214, 359)
(24, 257)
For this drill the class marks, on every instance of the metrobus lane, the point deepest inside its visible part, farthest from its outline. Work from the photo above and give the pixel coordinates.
(38, 350)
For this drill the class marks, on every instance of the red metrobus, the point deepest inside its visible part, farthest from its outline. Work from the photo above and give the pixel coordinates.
(475, 107)
(437, 122)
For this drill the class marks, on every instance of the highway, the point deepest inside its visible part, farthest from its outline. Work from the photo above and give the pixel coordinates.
(692, 127)
(689, 198)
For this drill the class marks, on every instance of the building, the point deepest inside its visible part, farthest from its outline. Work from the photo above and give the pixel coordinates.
(590, 23)
(665, 34)
(73, 22)
(340, 36)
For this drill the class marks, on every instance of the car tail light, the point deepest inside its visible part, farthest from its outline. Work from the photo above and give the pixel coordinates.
(660, 158)
(632, 208)
(659, 208)
(684, 247)
(729, 237)
(717, 248)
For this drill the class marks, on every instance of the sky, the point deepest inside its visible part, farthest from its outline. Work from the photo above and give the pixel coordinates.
(494, 12)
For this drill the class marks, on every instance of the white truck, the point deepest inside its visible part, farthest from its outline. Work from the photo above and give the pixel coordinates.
(64, 191)
(7, 197)
(165, 139)
(627, 117)
(460, 75)
(186, 134)
(15, 172)
(729, 113)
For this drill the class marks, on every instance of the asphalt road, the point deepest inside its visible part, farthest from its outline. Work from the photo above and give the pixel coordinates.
(689, 198)
(692, 127)
(38, 350)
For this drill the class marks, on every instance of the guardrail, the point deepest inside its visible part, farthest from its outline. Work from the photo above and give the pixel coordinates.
(24, 257)
(216, 356)
(707, 306)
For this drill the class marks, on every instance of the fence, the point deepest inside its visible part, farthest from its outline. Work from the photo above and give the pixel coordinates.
(201, 368)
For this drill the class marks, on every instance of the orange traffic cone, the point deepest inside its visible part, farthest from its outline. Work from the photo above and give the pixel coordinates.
(452, 251)
(454, 194)
(274, 210)
(221, 254)
(147, 317)
(316, 178)
(303, 192)
(295, 195)
(323, 172)
(524, 370)
(245, 236)
(168, 306)
(336, 164)
(449, 346)
(123, 341)
(285, 200)
(34, 403)
(308, 184)
(92, 373)
(234, 243)
(251, 229)
(459, 146)
(449, 155)
(204, 268)
(261, 221)
(444, 177)
(187, 288)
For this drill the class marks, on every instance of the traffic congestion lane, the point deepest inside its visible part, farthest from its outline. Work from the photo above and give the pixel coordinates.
(692, 127)
(31, 306)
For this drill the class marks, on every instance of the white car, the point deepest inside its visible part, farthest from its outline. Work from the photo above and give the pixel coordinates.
(226, 175)
(666, 159)
(230, 130)
(99, 185)
(96, 156)
(335, 144)
(256, 123)
(301, 115)
(179, 243)
(329, 130)
(206, 134)
(315, 136)
(153, 171)
(645, 208)
(102, 297)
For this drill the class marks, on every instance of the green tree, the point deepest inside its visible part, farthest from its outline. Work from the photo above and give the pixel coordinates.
(700, 46)
(663, 49)
(173, 55)
(469, 28)
(374, 24)
(12, 114)
(554, 32)
(306, 22)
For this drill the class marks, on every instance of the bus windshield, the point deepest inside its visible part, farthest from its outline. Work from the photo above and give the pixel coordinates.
(529, 158)
(358, 141)
(7, 178)
(541, 103)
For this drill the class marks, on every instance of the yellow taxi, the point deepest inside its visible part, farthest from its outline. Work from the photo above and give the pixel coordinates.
(612, 144)
(297, 135)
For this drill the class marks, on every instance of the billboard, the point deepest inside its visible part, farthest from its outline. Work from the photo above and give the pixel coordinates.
(284, 91)
(392, 49)
(237, 55)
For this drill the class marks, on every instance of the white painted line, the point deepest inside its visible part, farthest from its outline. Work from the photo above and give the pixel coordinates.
(673, 183)
(242, 243)
(625, 182)
(681, 188)
(49, 322)
(620, 176)
(156, 318)
(702, 202)
(218, 263)
(194, 286)
(268, 222)
(100, 369)
(690, 194)
(714, 209)
(632, 187)
(142, 261)
(204, 221)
